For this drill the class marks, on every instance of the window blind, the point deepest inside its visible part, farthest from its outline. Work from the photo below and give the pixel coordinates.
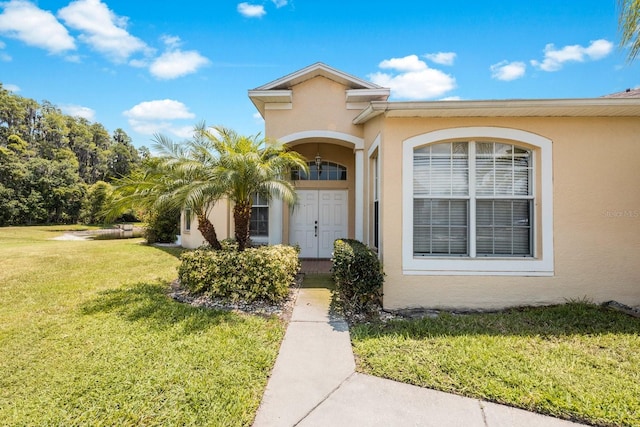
(500, 197)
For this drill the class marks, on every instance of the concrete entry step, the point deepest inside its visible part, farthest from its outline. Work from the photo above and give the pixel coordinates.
(315, 265)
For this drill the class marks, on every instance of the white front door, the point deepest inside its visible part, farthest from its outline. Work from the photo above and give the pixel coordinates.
(319, 218)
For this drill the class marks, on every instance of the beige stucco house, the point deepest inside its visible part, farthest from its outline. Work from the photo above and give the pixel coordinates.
(469, 204)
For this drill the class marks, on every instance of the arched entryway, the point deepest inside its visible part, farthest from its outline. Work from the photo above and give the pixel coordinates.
(326, 201)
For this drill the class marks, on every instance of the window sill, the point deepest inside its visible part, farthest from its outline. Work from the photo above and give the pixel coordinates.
(419, 266)
(259, 240)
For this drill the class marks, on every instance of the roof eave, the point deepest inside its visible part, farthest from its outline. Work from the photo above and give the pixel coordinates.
(368, 95)
(261, 98)
(591, 107)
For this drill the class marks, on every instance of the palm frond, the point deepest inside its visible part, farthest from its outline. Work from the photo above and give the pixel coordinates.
(629, 26)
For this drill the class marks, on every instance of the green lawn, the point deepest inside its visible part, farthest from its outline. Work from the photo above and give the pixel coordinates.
(89, 337)
(577, 361)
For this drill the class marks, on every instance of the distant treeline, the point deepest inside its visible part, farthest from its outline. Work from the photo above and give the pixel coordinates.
(55, 168)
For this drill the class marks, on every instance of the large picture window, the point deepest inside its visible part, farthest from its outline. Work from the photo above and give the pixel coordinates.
(472, 199)
(471, 205)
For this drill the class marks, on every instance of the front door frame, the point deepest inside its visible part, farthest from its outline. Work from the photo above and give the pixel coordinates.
(321, 216)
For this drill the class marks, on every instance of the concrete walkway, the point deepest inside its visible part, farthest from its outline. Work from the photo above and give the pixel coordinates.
(314, 383)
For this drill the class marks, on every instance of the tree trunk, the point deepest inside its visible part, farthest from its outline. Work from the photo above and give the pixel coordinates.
(241, 217)
(208, 231)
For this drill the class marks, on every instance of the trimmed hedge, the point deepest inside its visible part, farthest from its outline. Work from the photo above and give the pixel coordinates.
(358, 275)
(264, 273)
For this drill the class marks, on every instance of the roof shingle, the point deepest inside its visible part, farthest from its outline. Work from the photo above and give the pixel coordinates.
(629, 93)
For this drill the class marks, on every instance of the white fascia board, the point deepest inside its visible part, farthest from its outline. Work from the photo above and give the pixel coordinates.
(264, 99)
(373, 109)
(589, 107)
(367, 95)
(271, 95)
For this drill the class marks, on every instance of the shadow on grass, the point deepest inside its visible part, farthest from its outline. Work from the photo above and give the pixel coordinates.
(174, 251)
(149, 303)
(573, 318)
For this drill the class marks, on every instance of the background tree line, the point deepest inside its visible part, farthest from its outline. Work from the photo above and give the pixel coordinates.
(56, 168)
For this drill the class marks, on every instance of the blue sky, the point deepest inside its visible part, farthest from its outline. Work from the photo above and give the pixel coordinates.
(163, 66)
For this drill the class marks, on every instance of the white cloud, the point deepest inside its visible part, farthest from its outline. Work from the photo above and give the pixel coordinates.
(161, 127)
(174, 64)
(599, 49)
(79, 111)
(408, 63)
(12, 88)
(172, 42)
(251, 10)
(414, 79)
(139, 63)
(102, 29)
(507, 71)
(185, 132)
(280, 3)
(26, 22)
(258, 117)
(554, 58)
(159, 116)
(165, 109)
(442, 58)
(147, 128)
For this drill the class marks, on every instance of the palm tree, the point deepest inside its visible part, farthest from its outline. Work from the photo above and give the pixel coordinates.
(629, 25)
(182, 178)
(250, 165)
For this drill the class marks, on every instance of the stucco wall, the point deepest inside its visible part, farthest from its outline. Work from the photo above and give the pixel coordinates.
(596, 173)
(318, 104)
(221, 218)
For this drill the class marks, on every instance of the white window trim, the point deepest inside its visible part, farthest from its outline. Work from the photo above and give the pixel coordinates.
(359, 194)
(447, 266)
(374, 151)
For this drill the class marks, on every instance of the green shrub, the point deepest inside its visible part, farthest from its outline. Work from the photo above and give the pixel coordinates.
(358, 275)
(263, 273)
(163, 225)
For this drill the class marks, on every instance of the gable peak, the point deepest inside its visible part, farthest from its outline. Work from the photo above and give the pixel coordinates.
(315, 70)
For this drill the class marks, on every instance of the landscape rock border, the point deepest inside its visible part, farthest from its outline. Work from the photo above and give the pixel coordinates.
(281, 309)
(615, 305)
